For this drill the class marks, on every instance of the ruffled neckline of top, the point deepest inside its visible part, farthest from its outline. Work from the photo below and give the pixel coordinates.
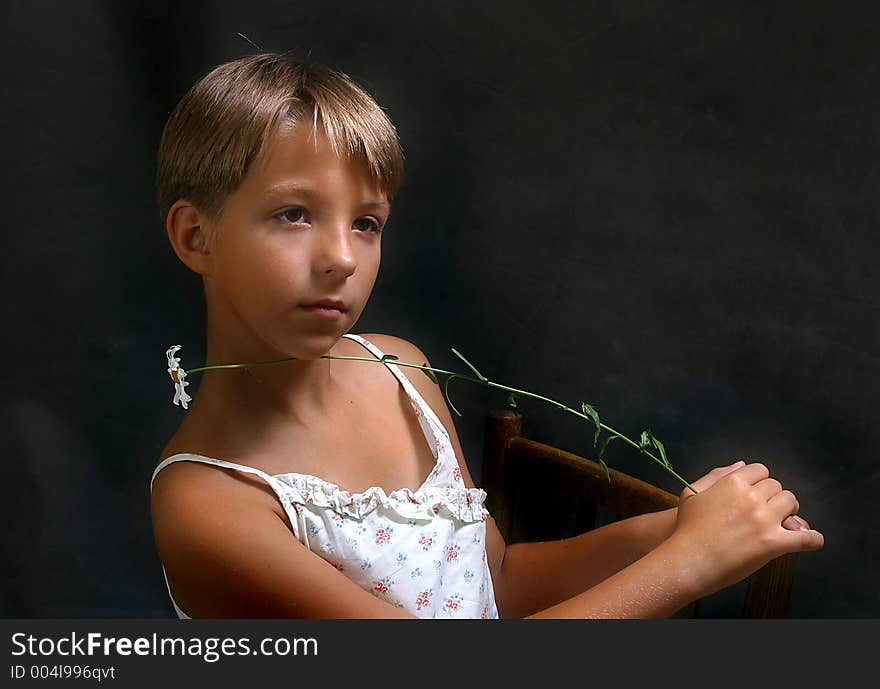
(458, 501)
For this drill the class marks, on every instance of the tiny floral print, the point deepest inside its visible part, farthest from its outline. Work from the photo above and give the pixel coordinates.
(453, 603)
(382, 586)
(483, 612)
(468, 576)
(328, 548)
(456, 474)
(417, 572)
(427, 542)
(338, 519)
(312, 530)
(452, 552)
(423, 600)
(401, 558)
(438, 506)
(367, 563)
(383, 535)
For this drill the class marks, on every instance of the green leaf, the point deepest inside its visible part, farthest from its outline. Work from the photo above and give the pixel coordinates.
(247, 370)
(589, 411)
(645, 441)
(430, 374)
(446, 392)
(470, 365)
(389, 357)
(662, 450)
(605, 443)
(594, 417)
(511, 400)
(605, 469)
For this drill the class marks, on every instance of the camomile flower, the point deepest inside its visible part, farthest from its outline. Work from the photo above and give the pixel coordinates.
(178, 375)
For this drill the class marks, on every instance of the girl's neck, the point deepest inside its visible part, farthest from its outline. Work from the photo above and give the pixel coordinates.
(301, 392)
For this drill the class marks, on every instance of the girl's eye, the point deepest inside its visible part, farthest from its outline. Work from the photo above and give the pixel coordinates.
(292, 215)
(371, 225)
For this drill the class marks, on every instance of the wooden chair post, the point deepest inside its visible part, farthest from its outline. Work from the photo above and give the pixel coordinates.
(502, 425)
(769, 589)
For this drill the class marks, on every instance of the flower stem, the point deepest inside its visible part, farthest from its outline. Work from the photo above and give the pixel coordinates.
(484, 381)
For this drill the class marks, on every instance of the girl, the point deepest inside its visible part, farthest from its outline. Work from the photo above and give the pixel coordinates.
(304, 493)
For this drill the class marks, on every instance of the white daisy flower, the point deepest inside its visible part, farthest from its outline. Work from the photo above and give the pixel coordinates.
(178, 375)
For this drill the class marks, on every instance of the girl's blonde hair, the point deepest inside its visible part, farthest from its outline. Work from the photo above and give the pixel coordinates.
(225, 121)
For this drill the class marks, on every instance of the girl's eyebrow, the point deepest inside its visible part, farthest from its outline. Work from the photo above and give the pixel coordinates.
(305, 190)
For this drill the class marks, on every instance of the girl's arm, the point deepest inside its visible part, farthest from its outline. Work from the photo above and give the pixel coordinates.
(655, 586)
(228, 552)
(567, 567)
(573, 565)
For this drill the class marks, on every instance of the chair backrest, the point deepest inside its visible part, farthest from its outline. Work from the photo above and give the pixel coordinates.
(508, 458)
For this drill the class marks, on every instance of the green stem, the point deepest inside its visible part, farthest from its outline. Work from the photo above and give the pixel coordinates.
(484, 381)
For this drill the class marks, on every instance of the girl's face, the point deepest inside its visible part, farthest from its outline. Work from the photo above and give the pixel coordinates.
(304, 225)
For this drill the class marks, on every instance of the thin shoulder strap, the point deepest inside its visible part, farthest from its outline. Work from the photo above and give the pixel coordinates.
(418, 400)
(296, 519)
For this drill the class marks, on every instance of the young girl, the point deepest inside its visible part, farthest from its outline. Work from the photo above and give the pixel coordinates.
(333, 488)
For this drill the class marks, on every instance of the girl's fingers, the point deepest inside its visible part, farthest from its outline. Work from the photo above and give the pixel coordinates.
(713, 476)
(795, 541)
(772, 491)
(784, 504)
(768, 488)
(709, 480)
(753, 473)
(795, 522)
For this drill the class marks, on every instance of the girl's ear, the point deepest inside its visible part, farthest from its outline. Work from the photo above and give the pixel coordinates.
(188, 234)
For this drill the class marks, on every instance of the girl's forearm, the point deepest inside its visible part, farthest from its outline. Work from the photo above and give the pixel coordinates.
(653, 587)
(536, 576)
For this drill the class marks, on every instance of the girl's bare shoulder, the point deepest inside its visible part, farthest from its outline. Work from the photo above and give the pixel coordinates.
(191, 485)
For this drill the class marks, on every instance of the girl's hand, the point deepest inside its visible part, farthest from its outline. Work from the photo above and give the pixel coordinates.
(733, 527)
(793, 522)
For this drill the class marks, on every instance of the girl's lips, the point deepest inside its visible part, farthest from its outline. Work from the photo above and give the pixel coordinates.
(324, 312)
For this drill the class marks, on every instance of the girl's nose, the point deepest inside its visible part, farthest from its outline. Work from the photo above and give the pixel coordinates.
(335, 252)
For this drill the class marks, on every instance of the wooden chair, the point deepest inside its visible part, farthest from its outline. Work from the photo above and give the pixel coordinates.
(506, 455)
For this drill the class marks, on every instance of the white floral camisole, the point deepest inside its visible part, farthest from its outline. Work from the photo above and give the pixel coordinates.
(423, 551)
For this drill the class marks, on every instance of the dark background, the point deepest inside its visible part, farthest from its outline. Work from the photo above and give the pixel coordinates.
(667, 210)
